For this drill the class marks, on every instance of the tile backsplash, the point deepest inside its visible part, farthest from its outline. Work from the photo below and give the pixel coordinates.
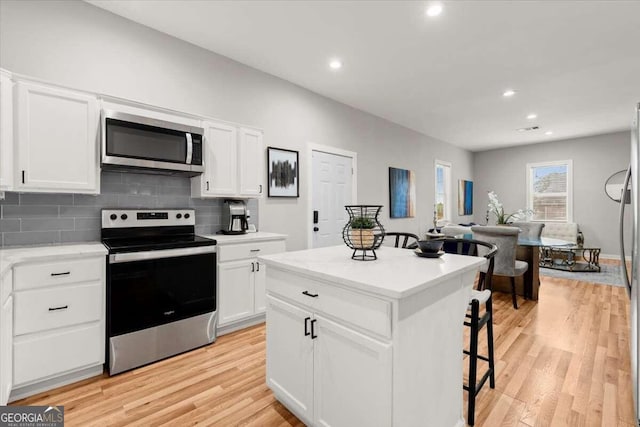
(31, 218)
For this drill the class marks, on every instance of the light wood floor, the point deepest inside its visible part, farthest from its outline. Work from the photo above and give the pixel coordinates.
(563, 361)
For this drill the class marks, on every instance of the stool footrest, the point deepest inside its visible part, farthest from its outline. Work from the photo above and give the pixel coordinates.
(468, 353)
(480, 383)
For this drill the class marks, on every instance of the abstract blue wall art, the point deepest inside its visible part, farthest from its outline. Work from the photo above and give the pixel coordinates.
(402, 193)
(465, 197)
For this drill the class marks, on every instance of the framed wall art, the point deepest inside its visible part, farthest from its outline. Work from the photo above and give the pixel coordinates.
(402, 193)
(283, 173)
(465, 197)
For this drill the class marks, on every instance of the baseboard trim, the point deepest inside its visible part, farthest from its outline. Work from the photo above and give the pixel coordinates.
(29, 390)
(236, 326)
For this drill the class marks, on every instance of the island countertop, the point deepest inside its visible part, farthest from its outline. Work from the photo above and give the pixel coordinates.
(397, 273)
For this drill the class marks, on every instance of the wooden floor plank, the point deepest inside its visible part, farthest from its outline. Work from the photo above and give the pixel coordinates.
(561, 361)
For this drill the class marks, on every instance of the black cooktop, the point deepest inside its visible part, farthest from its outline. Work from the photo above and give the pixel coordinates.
(151, 243)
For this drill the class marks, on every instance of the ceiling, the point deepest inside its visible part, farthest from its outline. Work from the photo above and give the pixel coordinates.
(574, 63)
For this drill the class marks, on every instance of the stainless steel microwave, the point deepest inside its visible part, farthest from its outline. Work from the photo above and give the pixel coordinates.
(131, 142)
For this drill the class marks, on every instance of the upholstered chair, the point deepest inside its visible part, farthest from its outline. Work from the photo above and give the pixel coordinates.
(529, 230)
(505, 263)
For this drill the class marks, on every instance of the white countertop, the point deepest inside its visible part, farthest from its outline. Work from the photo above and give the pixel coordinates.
(397, 273)
(12, 256)
(224, 239)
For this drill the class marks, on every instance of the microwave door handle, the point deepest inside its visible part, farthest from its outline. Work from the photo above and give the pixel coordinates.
(189, 148)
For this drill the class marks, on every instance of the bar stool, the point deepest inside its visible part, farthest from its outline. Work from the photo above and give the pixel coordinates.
(475, 320)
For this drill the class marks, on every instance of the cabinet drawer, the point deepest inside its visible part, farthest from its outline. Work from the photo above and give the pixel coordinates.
(43, 309)
(58, 272)
(364, 311)
(63, 350)
(249, 250)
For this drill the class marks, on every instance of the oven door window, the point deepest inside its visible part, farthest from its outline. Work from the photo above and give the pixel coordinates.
(143, 294)
(138, 141)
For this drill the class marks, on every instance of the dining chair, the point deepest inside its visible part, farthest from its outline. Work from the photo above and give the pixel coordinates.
(506, 239)
(529, 230)
(473, 320)
(409, 240)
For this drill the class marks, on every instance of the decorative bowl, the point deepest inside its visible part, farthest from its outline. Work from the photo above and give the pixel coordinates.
(430, 246)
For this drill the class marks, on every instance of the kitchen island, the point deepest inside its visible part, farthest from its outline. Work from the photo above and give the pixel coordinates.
(375, 343)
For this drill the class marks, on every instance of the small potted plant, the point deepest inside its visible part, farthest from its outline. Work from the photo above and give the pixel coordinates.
(362, 232)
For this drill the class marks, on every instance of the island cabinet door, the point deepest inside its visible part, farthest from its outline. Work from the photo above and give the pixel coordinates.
(352, 377)
(290, 357)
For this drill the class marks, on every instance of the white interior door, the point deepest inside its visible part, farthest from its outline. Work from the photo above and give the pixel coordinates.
(332, 182)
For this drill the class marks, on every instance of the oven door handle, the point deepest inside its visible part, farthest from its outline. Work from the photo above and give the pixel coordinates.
(161, 253)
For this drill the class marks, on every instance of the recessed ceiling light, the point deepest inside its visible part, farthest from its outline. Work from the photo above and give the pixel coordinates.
(548, 132)
(434, 10)
(335, 64)
(532, 116)
(509, 92)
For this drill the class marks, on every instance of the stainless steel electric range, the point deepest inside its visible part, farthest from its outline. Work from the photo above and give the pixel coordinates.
(161, 286)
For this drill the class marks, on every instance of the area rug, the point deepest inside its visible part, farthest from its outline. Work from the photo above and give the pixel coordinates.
(609, 275)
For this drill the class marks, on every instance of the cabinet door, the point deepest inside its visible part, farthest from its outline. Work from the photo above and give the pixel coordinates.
(290, 357)
(352, 377)
(220, 161)
(251, 163)
(6, 350)
(235, 288)
(57, 139)
(6, 131)
(259, 285)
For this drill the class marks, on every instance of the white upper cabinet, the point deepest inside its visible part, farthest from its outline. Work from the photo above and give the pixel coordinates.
(233, 159)
(6, 131)
(56, 140)
(251, 155)
(220, 162)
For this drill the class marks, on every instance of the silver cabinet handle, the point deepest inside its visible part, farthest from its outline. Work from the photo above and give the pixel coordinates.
(258, 264)
(254, 250)
(253, 267)
(260, 188)
(207, 185)
(64, 307)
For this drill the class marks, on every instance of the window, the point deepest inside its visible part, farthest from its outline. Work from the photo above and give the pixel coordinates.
(549, 188)
(442, 206)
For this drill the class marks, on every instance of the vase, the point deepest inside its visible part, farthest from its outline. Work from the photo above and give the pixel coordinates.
(363, 232)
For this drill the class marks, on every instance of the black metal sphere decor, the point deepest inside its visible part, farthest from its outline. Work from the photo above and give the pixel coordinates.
(363, 233)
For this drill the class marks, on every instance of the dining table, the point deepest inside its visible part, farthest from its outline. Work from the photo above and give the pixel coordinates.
(528, 250)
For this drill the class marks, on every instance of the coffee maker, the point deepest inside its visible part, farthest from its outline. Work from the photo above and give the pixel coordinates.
(234, 217)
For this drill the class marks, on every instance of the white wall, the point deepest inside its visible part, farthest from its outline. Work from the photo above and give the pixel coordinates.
(78, 45)
(594, 158)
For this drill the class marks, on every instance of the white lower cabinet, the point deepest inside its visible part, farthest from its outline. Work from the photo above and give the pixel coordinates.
(242, 280)
(236, 289)
(6, 352)
(52, 324)
(328, 373)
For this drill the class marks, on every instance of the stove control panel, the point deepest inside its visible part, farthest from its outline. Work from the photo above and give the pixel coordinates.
(118, 218)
